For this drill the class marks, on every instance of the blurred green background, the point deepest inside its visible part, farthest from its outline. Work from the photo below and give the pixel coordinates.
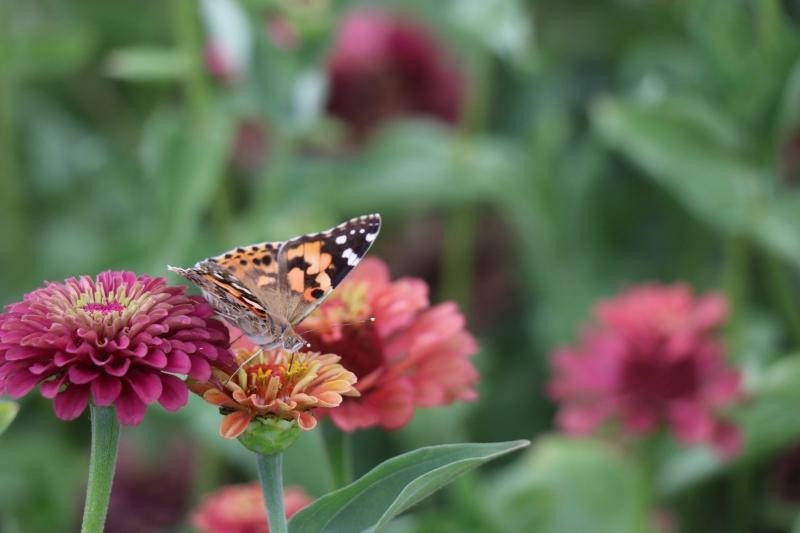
(597, 144)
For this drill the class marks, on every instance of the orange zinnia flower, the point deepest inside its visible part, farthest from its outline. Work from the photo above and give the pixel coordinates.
(275, 383)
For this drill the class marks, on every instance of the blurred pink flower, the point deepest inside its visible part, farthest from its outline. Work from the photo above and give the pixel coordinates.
(383, 65)
(411, 355)
(219, 63)
(653, 357)
(119, 338)
(240, 509)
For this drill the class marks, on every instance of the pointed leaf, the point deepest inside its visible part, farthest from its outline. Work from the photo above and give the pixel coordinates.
(394, 486)
(568, 485)
(707, 176)
(8, 410)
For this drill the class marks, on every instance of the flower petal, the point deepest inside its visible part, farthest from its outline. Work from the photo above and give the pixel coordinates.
(82, 374)
(20, 383)
(106, 389)
(306, 421)
(174, 393)
(146, 385)
(71, 402)
(234, 424)
(130, 408)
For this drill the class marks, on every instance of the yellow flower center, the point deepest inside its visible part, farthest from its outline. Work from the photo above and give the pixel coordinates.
(263, 377)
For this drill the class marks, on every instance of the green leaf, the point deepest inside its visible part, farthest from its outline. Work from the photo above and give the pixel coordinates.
(186, 171)
(394, 486)
(8, 410)
(503, 26)
(50, 50)
(706, 175)
(766, 423)
(145, 64)
(568, 485)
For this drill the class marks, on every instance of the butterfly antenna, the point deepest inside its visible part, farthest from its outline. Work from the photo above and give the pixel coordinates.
(252, 356)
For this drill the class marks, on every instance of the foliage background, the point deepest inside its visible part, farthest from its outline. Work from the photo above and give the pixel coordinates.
(603, 144)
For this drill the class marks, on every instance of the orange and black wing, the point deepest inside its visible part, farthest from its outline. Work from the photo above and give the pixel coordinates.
(311, 266)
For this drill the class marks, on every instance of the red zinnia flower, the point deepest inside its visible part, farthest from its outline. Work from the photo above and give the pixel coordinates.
(652, 358)
(411, 355)
(120, 337)
(241, 509)
(383, 66)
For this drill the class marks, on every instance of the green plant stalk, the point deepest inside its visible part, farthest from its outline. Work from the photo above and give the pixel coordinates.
(458, 258)
(734, 282)
(270, 473)
(187, 37)
(102, 463)
(783, 293)
(339, 451)
(458, 255)
(15, 248)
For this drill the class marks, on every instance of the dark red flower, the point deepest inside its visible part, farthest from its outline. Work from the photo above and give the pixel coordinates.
(383, 66)
(119, 338)
(411, 355)
(653, 358)
(151, 494)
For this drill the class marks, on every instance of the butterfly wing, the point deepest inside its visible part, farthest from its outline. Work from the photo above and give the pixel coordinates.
(255, 267)
(311, 266)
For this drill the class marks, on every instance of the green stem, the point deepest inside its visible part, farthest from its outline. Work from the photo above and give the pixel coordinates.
(784, 295)
(338, 447)
(459, 256)
(102, 462)
(270, 473)
(735, 285)
(187, 35)
(14, 248)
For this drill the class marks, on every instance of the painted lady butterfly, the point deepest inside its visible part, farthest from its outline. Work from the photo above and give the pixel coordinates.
(266, 289)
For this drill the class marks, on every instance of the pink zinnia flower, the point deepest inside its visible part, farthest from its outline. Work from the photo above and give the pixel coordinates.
(118, 338)
(411, 355)
(653, 358)
(383, 66)
(241, 509)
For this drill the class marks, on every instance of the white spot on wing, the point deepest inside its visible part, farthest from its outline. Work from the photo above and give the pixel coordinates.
(370, 237)
(352, 257)
(341, 239)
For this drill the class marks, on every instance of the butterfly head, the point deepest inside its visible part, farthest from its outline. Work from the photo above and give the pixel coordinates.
(291, 341)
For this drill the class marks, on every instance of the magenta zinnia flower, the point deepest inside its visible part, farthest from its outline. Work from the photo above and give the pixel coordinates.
(119, 338)
(652, 359)
(411, 355)
(383, 65)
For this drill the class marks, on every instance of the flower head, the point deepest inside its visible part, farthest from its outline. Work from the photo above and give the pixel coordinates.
(240, 509)
(275, 383)
(411, 355)
(383, 66)
(653, 358)
(118, 338)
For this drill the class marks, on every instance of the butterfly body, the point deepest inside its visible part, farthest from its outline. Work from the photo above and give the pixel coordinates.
(268, 288)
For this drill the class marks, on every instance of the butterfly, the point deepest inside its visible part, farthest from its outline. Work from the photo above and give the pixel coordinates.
(266, 289)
